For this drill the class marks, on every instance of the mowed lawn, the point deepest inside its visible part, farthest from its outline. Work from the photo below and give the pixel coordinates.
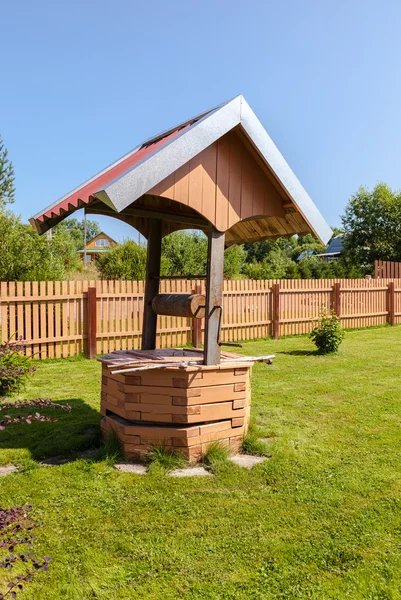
(320, 519)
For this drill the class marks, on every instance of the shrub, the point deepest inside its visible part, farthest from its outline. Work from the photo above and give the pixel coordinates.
(126, 261)
(14, 366)
(234, 260)
(329, 334)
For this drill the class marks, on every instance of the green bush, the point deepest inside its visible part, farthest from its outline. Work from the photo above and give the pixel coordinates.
(329, 334)
(14, 366)
(126, 261)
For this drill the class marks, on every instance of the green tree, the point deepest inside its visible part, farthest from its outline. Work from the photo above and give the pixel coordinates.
(26, 256)
(75, 229)
(308, 242)
(7, 188)
(372, 226)
(273, 266)
(234, 261)
(125, 261)
(184, 253)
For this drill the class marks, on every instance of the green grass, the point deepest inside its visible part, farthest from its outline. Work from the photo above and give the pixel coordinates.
(215, 456)
(165, 458)
(320, 520)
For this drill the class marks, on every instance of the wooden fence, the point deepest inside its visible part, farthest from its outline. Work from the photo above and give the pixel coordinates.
(387, 269)
(59, 319)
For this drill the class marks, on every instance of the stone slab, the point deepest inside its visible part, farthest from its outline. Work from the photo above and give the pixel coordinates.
(247, 461)
(7, 470)
(135, 468)
(190, 472)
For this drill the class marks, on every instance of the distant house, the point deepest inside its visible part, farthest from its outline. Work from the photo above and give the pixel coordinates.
(334, 250)
(306, 254)
(97, 246)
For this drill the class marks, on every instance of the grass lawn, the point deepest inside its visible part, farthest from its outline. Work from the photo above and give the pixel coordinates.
(321, 519)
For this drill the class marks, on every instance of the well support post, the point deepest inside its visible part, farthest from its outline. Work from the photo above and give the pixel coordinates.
(197, 324)
(151, 283)
(214, 295)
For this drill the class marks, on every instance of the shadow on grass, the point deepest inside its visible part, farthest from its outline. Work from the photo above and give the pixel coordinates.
(75, 430)
(301, 353)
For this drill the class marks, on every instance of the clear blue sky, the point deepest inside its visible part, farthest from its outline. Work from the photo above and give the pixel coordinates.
(84, 81)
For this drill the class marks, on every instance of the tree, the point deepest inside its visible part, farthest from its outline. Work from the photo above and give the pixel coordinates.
(273, 266)
(234, 261)
(126, 261)
(26, 256)
(372, 226)
(308, 242)
(7, 188)
(75, 229)
(184, 253)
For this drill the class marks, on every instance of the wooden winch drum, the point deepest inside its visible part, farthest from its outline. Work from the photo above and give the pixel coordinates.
(180, 305)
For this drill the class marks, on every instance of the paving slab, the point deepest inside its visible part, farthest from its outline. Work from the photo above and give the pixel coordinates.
(7, 470)
(247, 461)
(136, 468)
(55, 461)
(190, 472)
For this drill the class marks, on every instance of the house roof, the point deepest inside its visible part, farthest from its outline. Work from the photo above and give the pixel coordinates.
(102, 235)
(120, 189)
(336, 245)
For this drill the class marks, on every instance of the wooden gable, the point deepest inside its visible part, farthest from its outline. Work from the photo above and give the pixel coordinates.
(226, 183)
(101, 236)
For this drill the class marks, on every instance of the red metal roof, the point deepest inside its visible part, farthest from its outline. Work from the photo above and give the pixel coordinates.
(82, 195)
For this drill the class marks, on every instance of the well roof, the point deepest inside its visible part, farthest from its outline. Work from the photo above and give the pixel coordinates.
(218, 168)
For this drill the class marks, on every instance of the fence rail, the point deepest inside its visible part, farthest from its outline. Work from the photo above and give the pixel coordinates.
(60, 319)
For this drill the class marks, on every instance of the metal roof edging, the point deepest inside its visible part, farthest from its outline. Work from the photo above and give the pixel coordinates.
(277, 163)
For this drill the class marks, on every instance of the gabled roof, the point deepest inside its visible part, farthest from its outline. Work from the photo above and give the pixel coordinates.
(336, 245)
(102, 235)
(138, 174)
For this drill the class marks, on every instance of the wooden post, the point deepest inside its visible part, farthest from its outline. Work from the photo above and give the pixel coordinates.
(377, 271)
(91, 312)
(337, 299)
(197, 324)
(391, 303)
(276, 311)
(214, 295)
(151, 283)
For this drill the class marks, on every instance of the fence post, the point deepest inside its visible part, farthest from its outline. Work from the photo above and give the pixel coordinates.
(197, 324)
(391, 303)
(337, 299)
(91, 312)
(276, 311)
